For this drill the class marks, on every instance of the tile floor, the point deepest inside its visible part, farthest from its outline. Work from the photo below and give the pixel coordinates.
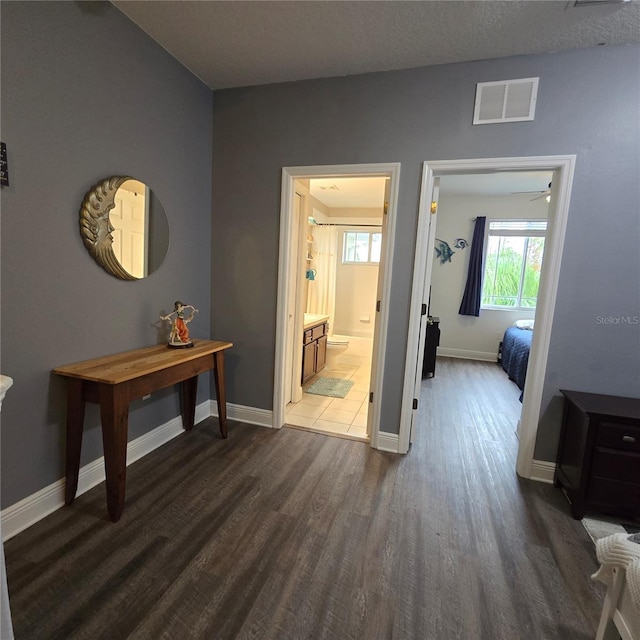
(345, 417)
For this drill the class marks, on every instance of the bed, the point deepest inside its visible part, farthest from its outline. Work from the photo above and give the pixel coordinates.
(516, 345)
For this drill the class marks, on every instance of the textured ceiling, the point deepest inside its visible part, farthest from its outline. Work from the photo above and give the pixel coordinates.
(368, 193)
(238, 43)
(496, 184)
(349, 192)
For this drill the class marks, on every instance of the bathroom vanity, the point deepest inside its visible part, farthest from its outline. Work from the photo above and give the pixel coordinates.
(314, 345)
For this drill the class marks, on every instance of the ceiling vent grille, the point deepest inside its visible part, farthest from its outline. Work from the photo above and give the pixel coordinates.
(505, 101)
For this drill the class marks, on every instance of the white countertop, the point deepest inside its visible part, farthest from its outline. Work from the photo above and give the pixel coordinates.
(312, 319)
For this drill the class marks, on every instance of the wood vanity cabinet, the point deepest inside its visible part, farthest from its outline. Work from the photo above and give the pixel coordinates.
(314, 350)
(598, 462)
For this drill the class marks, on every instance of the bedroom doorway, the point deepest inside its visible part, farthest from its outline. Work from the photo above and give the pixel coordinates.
(561, 168)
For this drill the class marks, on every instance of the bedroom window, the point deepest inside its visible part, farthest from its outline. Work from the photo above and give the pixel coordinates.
(513, 261)
(361, 247)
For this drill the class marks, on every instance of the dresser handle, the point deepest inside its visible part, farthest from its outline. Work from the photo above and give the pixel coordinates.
(629, 439)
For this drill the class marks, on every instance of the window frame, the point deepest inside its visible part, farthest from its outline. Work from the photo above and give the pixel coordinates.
(519, 233)
(370, 235)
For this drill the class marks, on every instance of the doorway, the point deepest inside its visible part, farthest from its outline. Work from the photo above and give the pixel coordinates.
(562, 168)
(299, 226)
(341, 221)
(513, 206)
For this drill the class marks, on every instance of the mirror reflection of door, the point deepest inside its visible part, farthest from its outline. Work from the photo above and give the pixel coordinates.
(129, 217)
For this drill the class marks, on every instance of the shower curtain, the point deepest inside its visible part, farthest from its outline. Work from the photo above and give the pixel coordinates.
(321, 296)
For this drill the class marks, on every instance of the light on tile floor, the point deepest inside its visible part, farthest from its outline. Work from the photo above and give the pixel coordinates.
(340, 416)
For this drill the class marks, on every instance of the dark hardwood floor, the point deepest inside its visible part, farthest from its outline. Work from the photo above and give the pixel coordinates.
(290, 534)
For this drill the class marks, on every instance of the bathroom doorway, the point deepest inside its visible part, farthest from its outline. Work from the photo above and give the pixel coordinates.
(334, 280)
(341, 224)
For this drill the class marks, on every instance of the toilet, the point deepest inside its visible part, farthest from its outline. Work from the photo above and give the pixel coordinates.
(336, 345)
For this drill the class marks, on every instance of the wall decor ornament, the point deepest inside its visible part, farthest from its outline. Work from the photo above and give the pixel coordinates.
(124, 227)
(443, 251)
(96, 228)
(461, 243)
(179, 337)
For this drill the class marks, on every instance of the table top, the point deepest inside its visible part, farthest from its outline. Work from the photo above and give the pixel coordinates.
(599, 404)
(129, 365)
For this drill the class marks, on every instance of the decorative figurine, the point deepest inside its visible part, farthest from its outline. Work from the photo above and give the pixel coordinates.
(179, 338)
(443, 251)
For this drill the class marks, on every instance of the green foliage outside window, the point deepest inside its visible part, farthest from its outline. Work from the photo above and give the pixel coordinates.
(512, 271)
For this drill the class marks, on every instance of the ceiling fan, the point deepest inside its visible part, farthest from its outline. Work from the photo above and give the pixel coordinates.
(541, 194)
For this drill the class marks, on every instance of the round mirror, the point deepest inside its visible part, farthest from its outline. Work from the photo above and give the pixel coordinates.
(124, 227)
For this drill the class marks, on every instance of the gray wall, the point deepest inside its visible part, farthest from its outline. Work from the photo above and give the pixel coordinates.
(86, 95)
(588, 105)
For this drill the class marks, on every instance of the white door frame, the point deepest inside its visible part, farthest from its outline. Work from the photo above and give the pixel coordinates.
(563, 168)
(293, 356)
(286, 270)
(425, 243)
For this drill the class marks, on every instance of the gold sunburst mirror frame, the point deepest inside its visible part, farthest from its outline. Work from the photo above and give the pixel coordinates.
(97, 227)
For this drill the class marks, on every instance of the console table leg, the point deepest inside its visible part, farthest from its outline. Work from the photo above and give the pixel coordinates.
(188, 392)
(218, 374)
(75, 420)
(114, 412)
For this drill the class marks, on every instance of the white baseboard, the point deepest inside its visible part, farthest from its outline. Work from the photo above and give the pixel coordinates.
(388, 442)
(250, 415)
(466, 354)
(33, 508)
(37, 506)
(543, 471)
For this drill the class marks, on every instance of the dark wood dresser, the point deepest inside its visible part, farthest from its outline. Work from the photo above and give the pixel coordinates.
(598, 461)
(431, 342)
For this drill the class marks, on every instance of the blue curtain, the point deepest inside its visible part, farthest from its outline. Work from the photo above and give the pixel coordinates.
(470, 305)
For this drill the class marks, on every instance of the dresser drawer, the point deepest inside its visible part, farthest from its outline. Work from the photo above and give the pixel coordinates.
(621, 496)
(308, 336)
(616, 465)
(614, 435)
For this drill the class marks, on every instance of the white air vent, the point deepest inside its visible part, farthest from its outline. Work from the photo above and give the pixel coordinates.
(505, 101)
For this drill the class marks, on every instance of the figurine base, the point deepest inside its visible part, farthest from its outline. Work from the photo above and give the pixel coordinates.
(180, 345)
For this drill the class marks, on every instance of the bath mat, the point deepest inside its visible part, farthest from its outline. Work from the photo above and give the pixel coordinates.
(333, 387)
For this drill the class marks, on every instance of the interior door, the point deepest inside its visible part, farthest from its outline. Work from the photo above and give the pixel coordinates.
(129, 216)
(291, 346)
(552, 214)
(379, 294)
(433, 220)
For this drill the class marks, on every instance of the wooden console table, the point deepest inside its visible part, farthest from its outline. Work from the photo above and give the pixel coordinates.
(113, 382)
